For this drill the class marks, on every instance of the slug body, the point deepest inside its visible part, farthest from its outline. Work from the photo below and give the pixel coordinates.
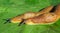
(47, 18)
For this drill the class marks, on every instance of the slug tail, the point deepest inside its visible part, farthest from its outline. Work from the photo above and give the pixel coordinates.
(46, 10)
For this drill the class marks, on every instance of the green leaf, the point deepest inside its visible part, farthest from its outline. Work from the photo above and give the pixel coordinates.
(12, 8)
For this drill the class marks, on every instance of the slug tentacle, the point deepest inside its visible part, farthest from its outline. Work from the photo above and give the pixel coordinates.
(7, 21)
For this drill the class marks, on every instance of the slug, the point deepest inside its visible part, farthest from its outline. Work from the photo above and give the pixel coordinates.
(28, 15)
